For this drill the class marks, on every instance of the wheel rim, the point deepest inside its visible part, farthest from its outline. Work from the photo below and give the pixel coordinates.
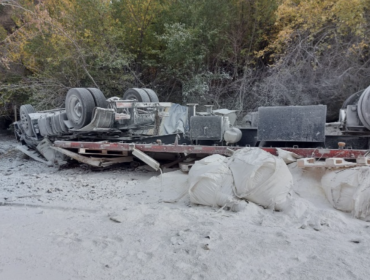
(76, 112)
(24, 121)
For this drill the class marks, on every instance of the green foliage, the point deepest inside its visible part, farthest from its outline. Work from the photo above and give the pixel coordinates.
(197, 89)
(182, 55)
(3, 33)
(184, 49)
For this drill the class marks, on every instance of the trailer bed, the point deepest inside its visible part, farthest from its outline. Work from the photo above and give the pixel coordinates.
(110, 148)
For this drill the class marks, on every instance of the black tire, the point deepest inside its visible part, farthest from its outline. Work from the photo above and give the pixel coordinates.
(152, 95)
(137, 94)
(79, 106)
(25, 119)
(99, 98)
(42, 126)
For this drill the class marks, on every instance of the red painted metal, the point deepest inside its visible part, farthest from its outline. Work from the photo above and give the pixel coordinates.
(195, 149)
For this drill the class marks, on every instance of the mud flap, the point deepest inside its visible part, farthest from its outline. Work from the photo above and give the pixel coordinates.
(45, 149)
(102, 118)
(33, 154)
(147, 159)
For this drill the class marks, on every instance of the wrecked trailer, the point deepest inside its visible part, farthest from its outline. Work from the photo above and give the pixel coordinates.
(101, 132)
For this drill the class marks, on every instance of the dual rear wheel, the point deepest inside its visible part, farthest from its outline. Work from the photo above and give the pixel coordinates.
(79, 106)
(141, 95)
(80, 102)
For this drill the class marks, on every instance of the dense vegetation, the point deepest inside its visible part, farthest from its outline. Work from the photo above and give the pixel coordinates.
(236, 53)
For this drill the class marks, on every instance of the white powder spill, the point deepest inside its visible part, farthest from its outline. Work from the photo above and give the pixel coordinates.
(76, 223)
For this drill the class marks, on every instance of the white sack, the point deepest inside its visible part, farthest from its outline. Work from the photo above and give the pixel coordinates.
(349, 190)
(260, 177)
(211, 182)
(288, 157)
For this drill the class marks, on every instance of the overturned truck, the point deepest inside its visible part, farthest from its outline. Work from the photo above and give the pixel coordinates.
(101, 131)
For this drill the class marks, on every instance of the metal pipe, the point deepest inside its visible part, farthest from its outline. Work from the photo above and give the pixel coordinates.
(209, 109)
(192, 110)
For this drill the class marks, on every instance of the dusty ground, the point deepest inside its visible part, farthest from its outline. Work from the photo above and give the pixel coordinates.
(61, 224)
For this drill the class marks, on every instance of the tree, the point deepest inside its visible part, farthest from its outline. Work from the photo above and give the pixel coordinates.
(321, 52)
(65, 44)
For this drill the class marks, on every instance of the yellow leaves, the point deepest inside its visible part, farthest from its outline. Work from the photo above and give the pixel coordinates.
(358, 48)
(350, 16)
(363, 45)
(314, 16)
(321, 22)
(87, 33)
(142, 12)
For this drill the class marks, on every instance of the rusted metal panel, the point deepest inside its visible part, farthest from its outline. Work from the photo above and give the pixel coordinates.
(102, 152)
(195, 149)
(321, 153)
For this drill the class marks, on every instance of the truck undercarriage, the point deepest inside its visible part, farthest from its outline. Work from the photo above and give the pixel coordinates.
(100, 131)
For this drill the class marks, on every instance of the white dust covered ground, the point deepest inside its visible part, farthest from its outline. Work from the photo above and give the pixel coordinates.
(76, 223)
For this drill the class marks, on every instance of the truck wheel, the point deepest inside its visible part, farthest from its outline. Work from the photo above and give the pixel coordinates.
(152, 95)
(79, 106)
(99, 98)
(25, 119)
(137, 94)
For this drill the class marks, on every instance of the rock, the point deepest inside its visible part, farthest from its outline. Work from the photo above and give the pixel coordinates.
(116, 219)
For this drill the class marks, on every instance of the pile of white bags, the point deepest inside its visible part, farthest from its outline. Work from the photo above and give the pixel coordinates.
(254, 175)
(211, 182)
(349, 190)
(251, 174)
(260, 177)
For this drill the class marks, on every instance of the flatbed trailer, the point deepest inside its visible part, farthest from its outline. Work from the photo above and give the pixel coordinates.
(109, 148)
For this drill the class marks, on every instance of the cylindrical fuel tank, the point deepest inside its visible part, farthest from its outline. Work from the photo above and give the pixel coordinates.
(232, 135)
(363, 108)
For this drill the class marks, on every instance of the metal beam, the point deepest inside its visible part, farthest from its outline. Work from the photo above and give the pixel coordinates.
(94, 161)
(196, 149)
